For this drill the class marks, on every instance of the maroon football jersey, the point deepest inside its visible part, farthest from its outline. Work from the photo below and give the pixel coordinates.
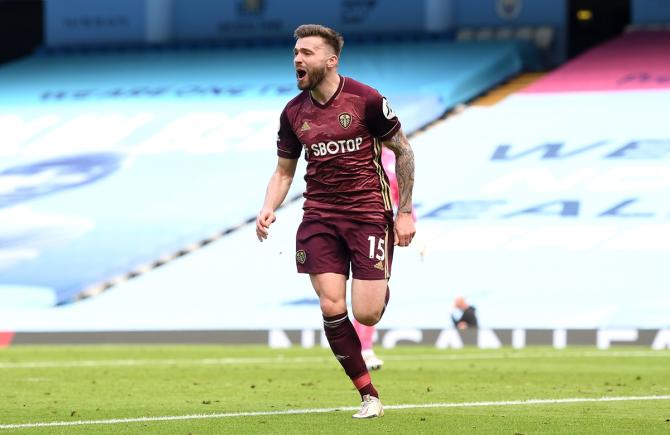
(342, 140)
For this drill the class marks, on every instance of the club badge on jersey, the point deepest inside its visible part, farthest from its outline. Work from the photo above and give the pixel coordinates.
(345, 119)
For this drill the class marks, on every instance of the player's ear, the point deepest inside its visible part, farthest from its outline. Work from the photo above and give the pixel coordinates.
(332, 61)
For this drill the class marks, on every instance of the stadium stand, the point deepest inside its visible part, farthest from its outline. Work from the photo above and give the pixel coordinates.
(635, 60)
(560, 215)
(116, 162)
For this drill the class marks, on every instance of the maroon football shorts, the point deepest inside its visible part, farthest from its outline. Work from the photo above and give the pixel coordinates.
(335, 244)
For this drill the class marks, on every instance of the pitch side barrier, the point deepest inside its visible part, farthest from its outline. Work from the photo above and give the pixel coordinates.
(656, 339)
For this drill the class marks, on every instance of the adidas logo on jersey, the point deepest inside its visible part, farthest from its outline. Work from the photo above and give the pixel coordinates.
(380, 265)
(305, 126)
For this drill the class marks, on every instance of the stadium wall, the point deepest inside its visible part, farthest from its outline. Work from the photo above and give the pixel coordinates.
(516, 14)
(216, 20)
(650, 11)
(82, 24)
(124, 22)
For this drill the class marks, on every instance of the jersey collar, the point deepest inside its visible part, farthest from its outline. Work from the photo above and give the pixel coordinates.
(332, 98)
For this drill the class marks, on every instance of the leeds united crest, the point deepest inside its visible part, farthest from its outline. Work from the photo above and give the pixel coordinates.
(345, 119)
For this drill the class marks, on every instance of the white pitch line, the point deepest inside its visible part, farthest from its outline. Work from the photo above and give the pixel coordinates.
(312, 360)
(326, 410)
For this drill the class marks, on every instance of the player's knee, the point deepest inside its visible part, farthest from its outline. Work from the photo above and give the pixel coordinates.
(332, 307)
(368, 317)
(368, 321)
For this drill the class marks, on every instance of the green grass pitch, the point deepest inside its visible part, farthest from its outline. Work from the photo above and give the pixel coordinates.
(199, 390)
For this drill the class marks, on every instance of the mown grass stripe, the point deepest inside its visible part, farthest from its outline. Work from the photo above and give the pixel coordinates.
(321, 359)
(326, 410)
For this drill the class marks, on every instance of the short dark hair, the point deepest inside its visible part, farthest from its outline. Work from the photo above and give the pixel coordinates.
(330, 36)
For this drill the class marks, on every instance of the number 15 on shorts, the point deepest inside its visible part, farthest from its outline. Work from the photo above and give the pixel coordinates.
(379, 251)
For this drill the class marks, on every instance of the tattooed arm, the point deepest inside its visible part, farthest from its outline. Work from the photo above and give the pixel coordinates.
(404, 170)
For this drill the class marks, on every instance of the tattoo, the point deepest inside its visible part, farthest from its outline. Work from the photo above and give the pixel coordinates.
(404, 169)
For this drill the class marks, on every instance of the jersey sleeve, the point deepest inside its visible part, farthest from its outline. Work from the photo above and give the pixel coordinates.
(382, 121)
(288, 145)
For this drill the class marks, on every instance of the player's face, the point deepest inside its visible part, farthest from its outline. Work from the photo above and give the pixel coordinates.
(310, 58)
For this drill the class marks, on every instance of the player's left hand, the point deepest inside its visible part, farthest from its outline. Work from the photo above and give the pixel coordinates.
(404, 229)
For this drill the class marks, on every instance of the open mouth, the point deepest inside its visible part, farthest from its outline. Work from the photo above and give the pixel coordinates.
(300, 73)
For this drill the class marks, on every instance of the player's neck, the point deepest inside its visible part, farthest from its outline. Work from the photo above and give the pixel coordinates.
(326, 88)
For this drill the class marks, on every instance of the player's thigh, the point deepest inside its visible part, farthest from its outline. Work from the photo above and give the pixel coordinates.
(371, 249)
(320, 249)
(332, 291)
(368, 298)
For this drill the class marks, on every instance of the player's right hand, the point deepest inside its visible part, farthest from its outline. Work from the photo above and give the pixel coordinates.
(263, 220)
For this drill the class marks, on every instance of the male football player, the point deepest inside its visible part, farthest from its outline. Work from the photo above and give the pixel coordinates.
(348, 224)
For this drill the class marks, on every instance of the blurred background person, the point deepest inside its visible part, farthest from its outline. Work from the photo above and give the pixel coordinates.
(463, 315)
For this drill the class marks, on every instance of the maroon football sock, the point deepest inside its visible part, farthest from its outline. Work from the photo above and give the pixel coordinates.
(346, 346)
